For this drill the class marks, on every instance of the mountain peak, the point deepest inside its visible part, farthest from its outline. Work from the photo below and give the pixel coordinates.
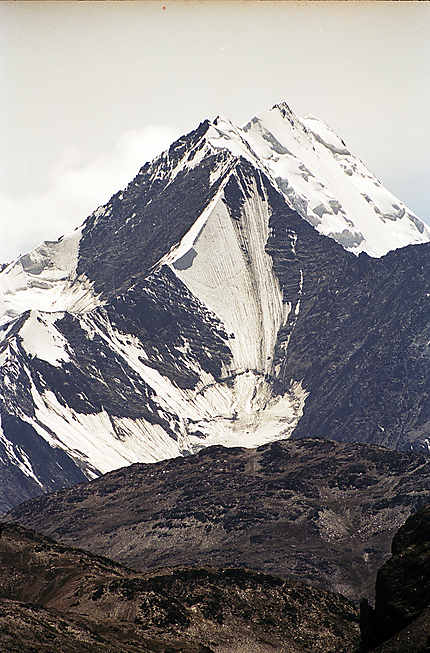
(285, 110)
(220, 119)
(163, 323)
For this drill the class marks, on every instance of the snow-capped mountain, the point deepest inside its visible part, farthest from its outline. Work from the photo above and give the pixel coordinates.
(178, 315)
(323, 181)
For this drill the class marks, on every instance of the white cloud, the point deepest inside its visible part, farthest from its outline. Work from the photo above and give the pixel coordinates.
(76, 189)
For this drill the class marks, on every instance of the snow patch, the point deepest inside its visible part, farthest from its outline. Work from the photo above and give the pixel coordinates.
(98, 442)
(233, 276)
(41, 339)
(45, 279)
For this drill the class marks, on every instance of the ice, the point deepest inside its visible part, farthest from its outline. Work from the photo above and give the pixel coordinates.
(325, 135)
(242, 291)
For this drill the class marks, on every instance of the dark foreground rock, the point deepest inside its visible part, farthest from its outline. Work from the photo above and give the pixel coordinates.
(54, 598)
(320, 511)
(400, 621)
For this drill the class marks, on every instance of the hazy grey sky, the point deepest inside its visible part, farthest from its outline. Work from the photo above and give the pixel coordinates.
(92, 90)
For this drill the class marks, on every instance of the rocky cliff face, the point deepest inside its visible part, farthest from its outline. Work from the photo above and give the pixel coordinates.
(362, 352)
(51, 595)
(401, 619)
(319, 511)
(205, 304)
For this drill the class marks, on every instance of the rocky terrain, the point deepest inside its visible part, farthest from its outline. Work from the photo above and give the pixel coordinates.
(317, 510)
(362, 351)
(400, 622)
(54, 598)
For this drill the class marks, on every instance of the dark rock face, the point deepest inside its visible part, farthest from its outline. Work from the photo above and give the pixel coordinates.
(361, 347)
(401, 619)
(54, 596)
(151, 215)
(161, 312)
(51, 464)
(321, 511)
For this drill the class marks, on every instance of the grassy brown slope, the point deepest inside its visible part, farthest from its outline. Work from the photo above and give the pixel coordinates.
(56, 598)
(321, 511)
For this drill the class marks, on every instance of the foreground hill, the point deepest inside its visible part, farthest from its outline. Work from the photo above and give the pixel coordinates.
(56, 598)
(320, 511)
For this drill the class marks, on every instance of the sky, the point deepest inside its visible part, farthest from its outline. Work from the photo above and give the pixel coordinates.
(91, 90)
